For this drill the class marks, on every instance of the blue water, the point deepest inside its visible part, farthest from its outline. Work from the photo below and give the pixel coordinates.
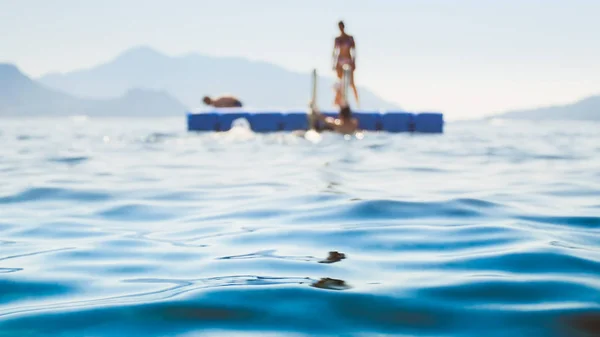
(134, 227)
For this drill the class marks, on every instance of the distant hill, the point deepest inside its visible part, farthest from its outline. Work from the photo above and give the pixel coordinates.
(190, 77)
(22, 96)
(137, 102)
(19, 95)
(585, 109)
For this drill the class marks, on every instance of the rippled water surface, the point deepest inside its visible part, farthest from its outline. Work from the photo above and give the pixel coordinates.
(134, 227)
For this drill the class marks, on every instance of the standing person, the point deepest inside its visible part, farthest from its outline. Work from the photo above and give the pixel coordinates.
(344, 52)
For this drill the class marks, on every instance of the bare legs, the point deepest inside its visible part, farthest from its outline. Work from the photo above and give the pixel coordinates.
(354, 88)
(337, 101)
(340, 74)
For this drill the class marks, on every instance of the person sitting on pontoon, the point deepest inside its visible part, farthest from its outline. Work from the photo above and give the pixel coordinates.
(223, 102)
(344, 124)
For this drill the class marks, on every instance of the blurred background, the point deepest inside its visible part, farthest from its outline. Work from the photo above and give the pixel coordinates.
(115, 220)
(468, 59)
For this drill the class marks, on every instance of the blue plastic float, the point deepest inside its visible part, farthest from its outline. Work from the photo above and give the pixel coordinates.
(274, 121)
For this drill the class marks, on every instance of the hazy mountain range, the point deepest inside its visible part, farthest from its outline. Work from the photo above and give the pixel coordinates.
(142, 81)
(585, 109)
(22, 96)
(188, 78)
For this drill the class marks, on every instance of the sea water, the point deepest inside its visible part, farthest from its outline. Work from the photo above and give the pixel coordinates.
(135, 227)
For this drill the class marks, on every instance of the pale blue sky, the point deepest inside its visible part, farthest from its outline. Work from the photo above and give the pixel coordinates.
(463, 57)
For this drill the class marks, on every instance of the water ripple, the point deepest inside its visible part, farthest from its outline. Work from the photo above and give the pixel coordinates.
(54, 194)
(69, 160)
(117, 227)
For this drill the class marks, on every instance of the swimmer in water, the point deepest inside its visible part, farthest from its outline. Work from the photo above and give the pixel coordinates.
(344, 52)
(223, 102)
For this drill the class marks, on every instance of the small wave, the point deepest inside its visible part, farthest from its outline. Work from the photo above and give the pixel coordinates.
(39, 194)
(267, 254)
(11, 257)
(510, 292)
(59, 230)
(13, 291)
(174, 288)
(158, 137)
(5, 226)
(579, 221)
(8, 169)
(277, 308)
(398, 210)
(358, 209)
(30, 137)
(70, 160)
(555, 157)
(137, 212)
(424, 169)
(530, 262)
